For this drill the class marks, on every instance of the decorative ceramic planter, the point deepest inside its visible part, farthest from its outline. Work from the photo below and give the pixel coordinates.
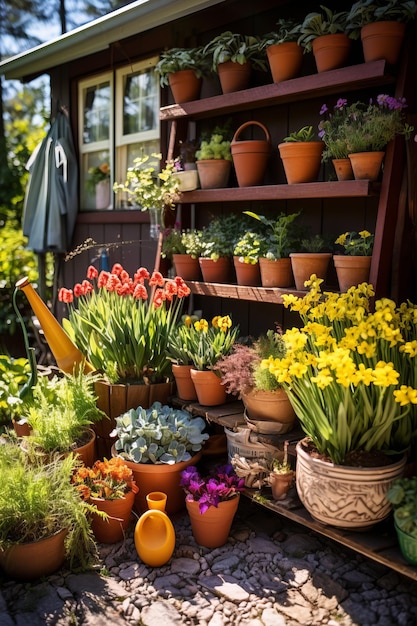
(103, 195)
(209, 388)
(343, 496)
(213, 173)
(185, 86)
(276, 273)
(383, 40)
(212, 528)
(301, 160)
(285, 60)
(29, 561)
(154, 538)
(159, 477)
(273, 406)
(112, 530)
(247, 273)
(183, 380)
(351, 270)
(331, 51)
(250, 157)
(304, 264)
(234, 76)
(408, 546)
(366, 165)
(188, 180)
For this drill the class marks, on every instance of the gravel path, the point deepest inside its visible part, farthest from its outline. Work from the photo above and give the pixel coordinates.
(270, 573)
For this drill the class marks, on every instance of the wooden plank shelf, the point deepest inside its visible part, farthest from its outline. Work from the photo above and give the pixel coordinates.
(362, 75)
(379, 543)
(242, 292)
(330, 189)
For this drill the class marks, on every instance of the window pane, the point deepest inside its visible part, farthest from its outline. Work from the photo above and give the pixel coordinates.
(98, 190)
(140, 102)
(97, 113)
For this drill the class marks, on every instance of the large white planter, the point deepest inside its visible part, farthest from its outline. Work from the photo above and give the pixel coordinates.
(343, 496)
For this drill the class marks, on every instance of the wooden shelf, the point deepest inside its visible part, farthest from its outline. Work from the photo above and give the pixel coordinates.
(346, 79)
(331, 189)
(242, 292)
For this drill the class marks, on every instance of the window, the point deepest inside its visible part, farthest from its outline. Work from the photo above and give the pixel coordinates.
(119, 117)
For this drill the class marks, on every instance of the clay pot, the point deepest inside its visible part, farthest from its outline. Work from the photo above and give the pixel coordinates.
(212, 528)
(29, 561)
(351, 270)
(112, 530)
(276, 273)
(183, 380)
(301, 160)
(219, 271)
(185, 86)
(304, 264)
(273, 406)
(331, 51)
(247, 273)
(187, 266)
(343, 169)
(234, 76)
(209, 388)
(366, 165)
(280, 484)
(250, 157)
(213, 173)
(383, 40)
(285, 60)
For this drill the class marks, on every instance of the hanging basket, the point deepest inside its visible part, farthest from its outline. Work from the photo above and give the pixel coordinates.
(250, 157)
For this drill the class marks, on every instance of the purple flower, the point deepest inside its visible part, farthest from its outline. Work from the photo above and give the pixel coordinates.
(219, 485)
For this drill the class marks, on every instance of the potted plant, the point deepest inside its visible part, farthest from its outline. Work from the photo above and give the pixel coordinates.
(15, 374)
(350, 376)
(246, 258)
(312, 257)
(281, 476)
(180, 350)
(98, 183)
(217, 245)
(61, 415)
(301, 156)
(381, 26)
(352, 267)
(122, 324)
(183, 247)
(110, 486)
(331, 132)
(157, 444)
(212, 501)
(284, 53)
(183, 70)
(325, 34)
(250, 156)
(244, 376)
(278, 241)
(185, 165)
(233, 56)
(403, 497)
(43, 519)
(150, 189)
(214, 160)
(368, 128)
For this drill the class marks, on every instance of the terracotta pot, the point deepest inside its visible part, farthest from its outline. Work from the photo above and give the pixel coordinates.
(185, 86)
(366, 165)
(285, 60)
(119, 511)
(343, 169)
(29, 561)
(250, 157)
(154, 538)
(273, 406)
(87, 452)
(187, 266)
(156, 500)
(117, 399)
(185, 385)
(213, 173)
(351, 270)
(159, 477)
(234, 76)
(301, 160)
(276, 273)
(382, 40)
(209, 388)
(212, 528)
(304, 264)
(247, 273)
(281, 484)
(331, 51)
(219, 271)
(344, 496)
(21, 428)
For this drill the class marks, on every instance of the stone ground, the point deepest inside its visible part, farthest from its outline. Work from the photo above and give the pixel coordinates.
(271, 572)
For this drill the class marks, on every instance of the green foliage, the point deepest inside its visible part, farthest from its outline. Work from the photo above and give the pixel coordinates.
(288, 30)
(368, 11)
(217, 147)
(249, 247)
(37, 499)
(14, 374)
(403, 497)
(306, 133)
(160, 434)
(177, 59)
(318, 24)
(280, 237)
(219, 237)
(235, 47)
(181, 242)
(61, 411)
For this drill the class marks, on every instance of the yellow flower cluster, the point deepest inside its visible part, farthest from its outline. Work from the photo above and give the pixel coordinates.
(350, 371)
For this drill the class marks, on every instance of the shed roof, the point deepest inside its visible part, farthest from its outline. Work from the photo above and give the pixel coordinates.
(97, 35)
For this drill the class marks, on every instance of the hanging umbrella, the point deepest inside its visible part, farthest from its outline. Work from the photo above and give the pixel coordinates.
(51, 201)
